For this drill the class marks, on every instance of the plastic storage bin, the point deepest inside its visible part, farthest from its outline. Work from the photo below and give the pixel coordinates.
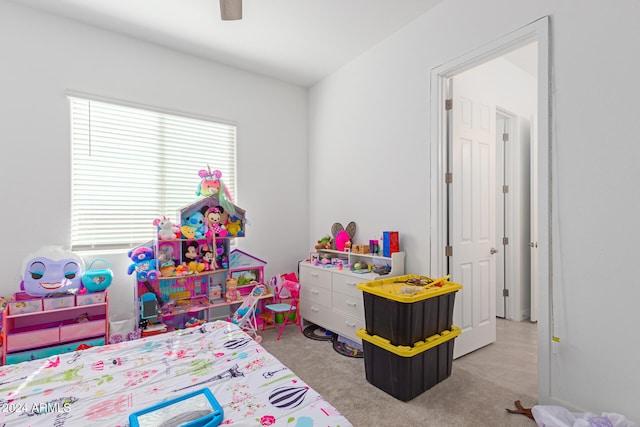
(406, 318)
(405, 372)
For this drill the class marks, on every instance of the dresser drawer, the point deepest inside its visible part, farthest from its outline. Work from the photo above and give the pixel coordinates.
(346, 284)
(319, 314)
(315, 294)
(348, 304)
(347, 326)
(315, 276)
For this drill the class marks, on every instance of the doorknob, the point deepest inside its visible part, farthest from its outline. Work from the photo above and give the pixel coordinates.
(493, 251)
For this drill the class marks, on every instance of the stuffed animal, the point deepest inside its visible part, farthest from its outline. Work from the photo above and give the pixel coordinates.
(232, 293)
(144, 265)
(191, 258)
(213, 217)
(343, 241)
(166, 229)
(208, 258)
(210, 182)
(324, 242)
(193, 226)
(234, 226)
(343, 235)
(195, 267)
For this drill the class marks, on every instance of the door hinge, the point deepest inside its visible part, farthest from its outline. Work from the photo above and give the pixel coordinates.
(448, 178)
(505, 137)
(505, 189)
(505, 240)
(505, 292)
(448, 250)
(448, 104)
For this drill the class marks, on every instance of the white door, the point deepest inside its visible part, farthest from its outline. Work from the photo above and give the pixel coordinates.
(534, 219)
(472, 212)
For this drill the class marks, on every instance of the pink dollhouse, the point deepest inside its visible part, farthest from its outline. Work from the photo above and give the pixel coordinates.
(246, 269)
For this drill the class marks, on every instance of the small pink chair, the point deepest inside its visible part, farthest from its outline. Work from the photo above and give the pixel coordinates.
(286, 308)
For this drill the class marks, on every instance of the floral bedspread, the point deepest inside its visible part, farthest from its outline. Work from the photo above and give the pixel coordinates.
(101, 386)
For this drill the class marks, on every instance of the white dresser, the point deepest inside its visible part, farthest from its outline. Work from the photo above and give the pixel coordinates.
(329, 297)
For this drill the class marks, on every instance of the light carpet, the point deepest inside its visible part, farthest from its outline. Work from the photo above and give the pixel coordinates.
(482, 384)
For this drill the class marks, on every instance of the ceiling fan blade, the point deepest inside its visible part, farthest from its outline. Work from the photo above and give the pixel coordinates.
(231, 10)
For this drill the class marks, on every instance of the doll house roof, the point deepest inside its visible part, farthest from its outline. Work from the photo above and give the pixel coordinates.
(209, 202)
(238, 258)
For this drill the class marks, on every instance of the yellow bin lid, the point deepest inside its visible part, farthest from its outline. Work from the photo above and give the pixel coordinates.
(410, 351)
(409, 288)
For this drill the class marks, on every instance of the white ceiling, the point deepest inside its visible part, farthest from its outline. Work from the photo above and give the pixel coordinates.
(298, 41)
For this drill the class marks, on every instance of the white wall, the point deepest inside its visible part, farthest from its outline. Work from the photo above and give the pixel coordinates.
(43, 56)
(370, 121)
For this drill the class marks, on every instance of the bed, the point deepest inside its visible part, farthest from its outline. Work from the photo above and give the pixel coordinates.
(101, 386)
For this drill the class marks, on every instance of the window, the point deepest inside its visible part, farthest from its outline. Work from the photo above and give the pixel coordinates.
(132, 165)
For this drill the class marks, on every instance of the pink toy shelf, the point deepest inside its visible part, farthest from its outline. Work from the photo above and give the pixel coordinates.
(36, 327)
(246, 268)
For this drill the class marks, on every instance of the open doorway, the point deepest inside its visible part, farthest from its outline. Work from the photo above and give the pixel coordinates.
(459, 221)
(513, 143)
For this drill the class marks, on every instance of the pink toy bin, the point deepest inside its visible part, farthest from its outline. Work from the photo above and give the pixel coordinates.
(24, 303)
(90, 298)
(55, 303)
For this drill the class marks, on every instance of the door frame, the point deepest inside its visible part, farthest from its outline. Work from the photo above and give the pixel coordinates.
(535, 31)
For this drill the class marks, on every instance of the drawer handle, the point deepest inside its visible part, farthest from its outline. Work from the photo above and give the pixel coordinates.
(313, 291)
(314, 309)
(353, 325)
(315, 275)
(352, 304)
(352, 284)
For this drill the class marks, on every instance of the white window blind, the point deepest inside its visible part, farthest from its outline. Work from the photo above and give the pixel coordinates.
(132, 165)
